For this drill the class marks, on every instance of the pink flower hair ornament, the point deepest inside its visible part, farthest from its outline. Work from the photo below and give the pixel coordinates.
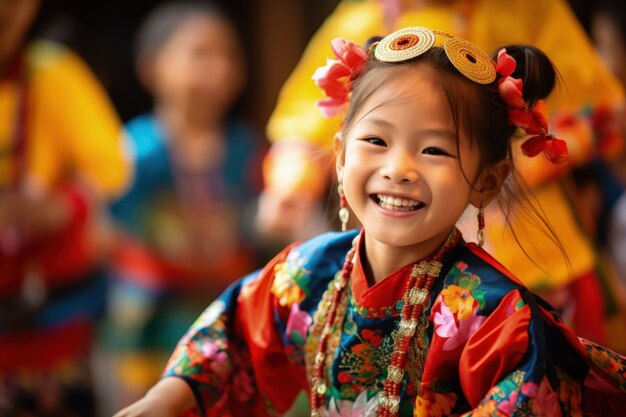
(336, 77)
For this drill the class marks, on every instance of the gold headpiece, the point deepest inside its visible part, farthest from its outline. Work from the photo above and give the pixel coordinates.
(413, 41)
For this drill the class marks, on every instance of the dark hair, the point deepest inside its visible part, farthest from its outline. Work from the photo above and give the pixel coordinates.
(162, 22)
(479, 112)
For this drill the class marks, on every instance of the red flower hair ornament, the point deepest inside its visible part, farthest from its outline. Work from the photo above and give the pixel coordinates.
(336, 77)
(533, 121)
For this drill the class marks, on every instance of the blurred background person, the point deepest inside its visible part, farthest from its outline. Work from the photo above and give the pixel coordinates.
(587, 99)
(608, 29)
(61, 158)
(183, 230)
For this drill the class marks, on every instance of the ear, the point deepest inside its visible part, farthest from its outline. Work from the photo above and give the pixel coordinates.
(490, 182)
(339, 155)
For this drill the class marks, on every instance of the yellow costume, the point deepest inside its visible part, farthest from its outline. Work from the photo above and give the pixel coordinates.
(549, 25)
(71, 126)
(59, 136)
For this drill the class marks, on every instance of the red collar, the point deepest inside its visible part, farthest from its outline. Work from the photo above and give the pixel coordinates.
(386, 292)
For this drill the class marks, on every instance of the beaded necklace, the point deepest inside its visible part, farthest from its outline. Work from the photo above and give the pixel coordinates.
(418, 287)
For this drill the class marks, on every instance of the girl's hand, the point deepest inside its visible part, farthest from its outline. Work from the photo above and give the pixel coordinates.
(168, 398)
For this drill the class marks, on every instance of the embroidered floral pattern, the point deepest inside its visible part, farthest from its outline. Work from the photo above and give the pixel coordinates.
(296, 331)
(501, 400)
(289, 285)
(610, 362)
(463, 296)
(298, 325)
(544, 401)
(431, 403)
(456, 335)
(215, 355)
(205, 356)
(364, 363)
(570, 395)
(381, 312)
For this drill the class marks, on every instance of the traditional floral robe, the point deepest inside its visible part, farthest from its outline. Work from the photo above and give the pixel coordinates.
(488, 346)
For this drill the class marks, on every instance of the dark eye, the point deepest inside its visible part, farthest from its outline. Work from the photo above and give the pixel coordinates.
(375, 141)
(435, 151)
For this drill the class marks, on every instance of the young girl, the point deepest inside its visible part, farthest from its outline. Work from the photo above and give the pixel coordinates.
(403, 317)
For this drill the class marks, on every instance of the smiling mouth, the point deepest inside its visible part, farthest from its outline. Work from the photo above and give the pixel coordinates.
(397, 204)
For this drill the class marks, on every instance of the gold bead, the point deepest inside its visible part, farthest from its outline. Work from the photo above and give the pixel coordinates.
(394, 404)
(395, 374)
(407, 327)
(434, 268)
(419, 270)
(383, 400)
(321, 388)
(417, 295)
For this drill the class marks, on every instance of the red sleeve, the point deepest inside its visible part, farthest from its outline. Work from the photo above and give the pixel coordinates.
(495, 349)
(256, 321)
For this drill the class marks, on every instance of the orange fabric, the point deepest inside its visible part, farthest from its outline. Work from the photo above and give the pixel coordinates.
(255, 321)
(495, 349)
(134, 259)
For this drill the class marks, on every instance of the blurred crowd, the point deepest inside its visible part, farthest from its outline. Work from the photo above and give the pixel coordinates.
(115, 235)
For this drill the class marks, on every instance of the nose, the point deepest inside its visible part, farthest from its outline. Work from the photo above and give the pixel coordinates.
(400, 167)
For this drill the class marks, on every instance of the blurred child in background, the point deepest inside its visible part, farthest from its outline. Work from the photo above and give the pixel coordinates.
(182, 224)
(61, 157)
(608, 29)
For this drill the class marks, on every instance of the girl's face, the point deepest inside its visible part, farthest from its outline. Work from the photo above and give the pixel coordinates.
(400, 166)
(200, 67)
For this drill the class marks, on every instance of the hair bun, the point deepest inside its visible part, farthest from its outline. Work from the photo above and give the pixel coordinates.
(536, 71)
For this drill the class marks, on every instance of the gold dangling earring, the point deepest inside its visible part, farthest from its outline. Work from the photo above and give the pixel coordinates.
(344, 213)
(480, 236)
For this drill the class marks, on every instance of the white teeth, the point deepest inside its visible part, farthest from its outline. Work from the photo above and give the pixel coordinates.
(395, 203)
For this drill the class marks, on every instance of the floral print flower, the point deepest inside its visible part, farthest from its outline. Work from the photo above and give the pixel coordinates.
(298, 325)
(458, 300)
(446, 327)
(546, 401)
(288, 280)
(336, 77)
(487, 409)
(570, 395)
(434, 404)
(210, 315)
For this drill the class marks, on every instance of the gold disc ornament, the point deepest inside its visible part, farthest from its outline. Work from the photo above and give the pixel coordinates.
(404, 44)
(470, 60)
